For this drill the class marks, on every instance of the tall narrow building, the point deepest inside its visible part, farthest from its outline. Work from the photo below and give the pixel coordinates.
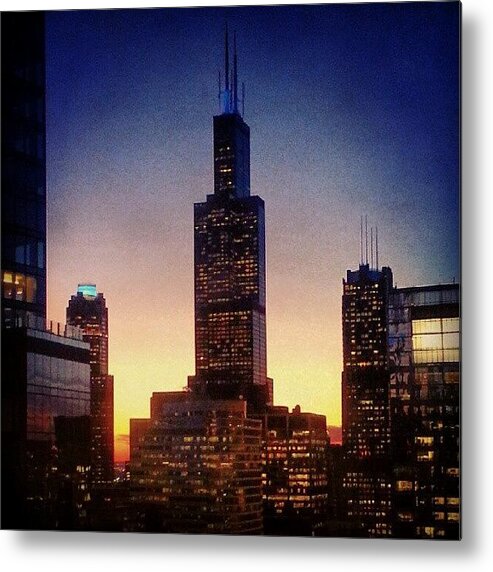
(230, 329)
(23, 169)
(87, 309)
(45, 367)
(365, 399)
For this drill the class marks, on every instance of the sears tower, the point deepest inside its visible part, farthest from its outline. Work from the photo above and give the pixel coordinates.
(229, 261)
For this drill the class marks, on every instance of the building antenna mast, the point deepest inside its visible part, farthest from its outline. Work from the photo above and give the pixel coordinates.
(371, 248)
(219, 92)
(226, 58)
(243, 98)
(235, 76)
(376, 242)
(366, 238)
(361, 241)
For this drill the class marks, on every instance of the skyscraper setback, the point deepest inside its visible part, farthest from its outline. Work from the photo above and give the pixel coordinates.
(87, 309)
(230, 329)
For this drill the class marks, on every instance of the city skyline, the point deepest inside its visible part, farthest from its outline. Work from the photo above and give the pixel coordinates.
(305, 267)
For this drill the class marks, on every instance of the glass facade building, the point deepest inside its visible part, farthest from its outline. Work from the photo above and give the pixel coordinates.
(424, 338)
(23, 168)
(229, 261)
(87, 310)
(196, 468)
(365, 400)
(45, 428)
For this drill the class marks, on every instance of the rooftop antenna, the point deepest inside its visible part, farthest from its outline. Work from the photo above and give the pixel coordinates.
(371, 248)
(226, 58)
(366, 239)
(376, 242)
(243, 98)
(235, 76)
(219, 89)
(231, 91)
(361, 241)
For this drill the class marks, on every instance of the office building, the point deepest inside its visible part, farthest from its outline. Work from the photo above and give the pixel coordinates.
(87, 310)
(229, 262)
(23, 168)
(365, 399)
(45, 368)
(197, 468)
(294, 471)
(45, 427)
(424, 338)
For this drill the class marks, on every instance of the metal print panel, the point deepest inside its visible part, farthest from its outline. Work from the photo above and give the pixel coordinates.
(230, 270)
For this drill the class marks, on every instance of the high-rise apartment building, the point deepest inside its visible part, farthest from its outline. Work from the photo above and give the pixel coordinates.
(196, 467)
(365, 399)
(23, 168)
(424, 338)
(230, 329)
(87, 310)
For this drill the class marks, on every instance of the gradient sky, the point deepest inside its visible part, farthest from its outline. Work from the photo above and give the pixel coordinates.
(353, 109)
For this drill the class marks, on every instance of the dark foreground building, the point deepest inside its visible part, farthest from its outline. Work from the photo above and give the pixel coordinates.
(23, 168)
(424, 342)
(45, 428)
(87, 310)
(294, 471)
(365, 401)
(197, 468)
(45, 370)
(230, 330)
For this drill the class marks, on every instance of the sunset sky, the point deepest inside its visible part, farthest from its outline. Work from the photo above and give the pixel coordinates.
(353, 109)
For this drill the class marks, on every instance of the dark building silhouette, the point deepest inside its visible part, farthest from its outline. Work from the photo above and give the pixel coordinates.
(424, 337)
(23, 168)
(196, 467)
(294, 471)
(87, 310)
(45, 428)
(365, 399)
(230, 330)
(45, 369)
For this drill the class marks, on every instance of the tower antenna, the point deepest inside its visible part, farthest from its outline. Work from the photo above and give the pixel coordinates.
(231, 90)
(235, 76)
(376, 242)
(361, 241)
(371, 248)
(243, 98)
(226, 58)
(219, 89)
(366, 238)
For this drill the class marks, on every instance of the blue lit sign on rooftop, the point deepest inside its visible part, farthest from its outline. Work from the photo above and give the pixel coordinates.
(87, 290)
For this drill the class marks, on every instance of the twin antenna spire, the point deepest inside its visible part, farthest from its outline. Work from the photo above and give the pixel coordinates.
(373, 261)
(228, 97)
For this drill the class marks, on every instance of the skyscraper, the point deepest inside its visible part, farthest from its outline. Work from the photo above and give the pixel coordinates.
(23, 168)
(230, 329)
(45, 370)
(424, 339)
(87, 309)
(365, 398)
